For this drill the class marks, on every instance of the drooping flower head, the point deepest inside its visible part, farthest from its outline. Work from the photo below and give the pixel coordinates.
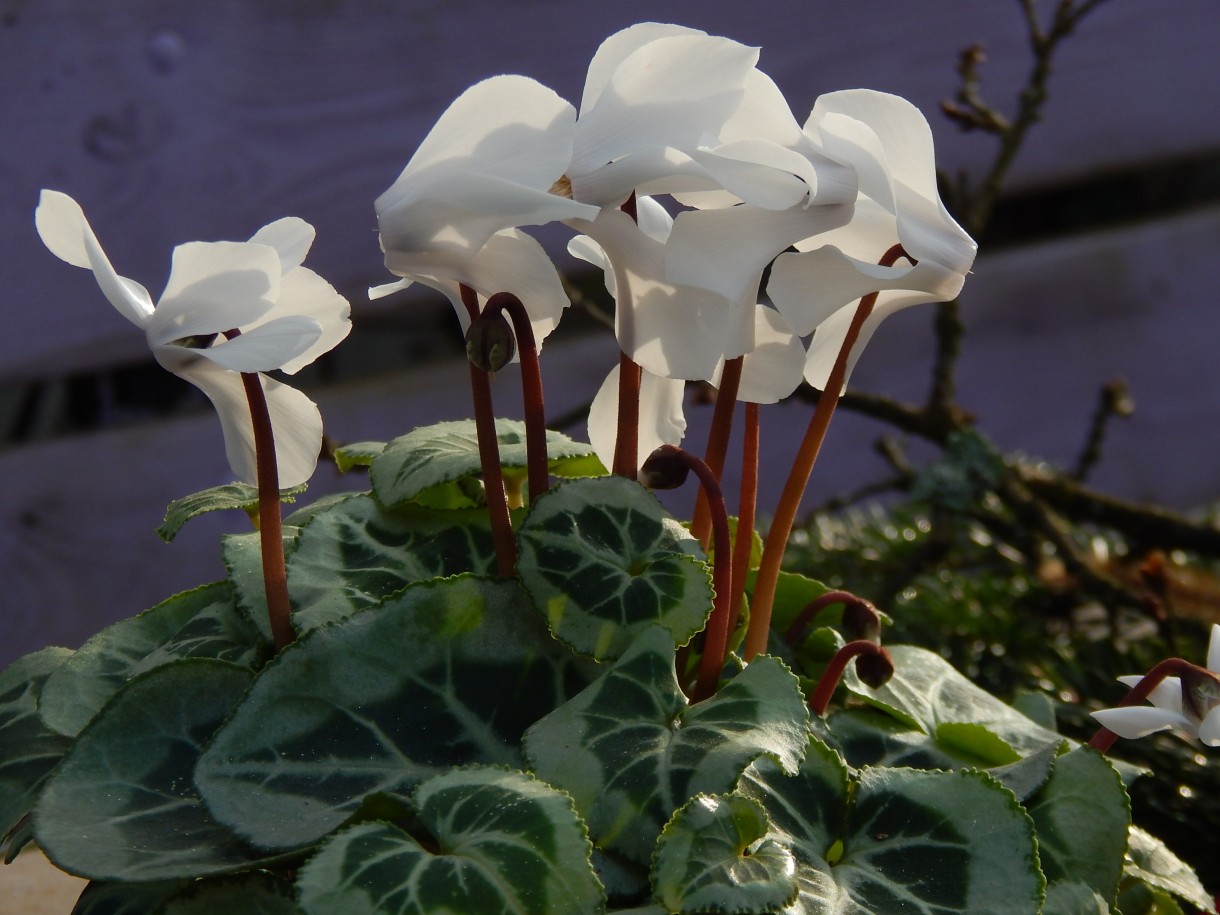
(485, 169)
(228, 308)
(1189, 704)
(887, 142)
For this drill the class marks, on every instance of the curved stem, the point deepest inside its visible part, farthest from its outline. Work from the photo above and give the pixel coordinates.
(531, 390)
(489, 457)
(798, 477)
(822, 693)
(270, 528)
(1104, 739)
(717, 442)
(812, 609)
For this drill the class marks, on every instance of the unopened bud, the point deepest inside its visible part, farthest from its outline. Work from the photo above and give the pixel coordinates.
(875, 667)
(490, 343)
(666, 468)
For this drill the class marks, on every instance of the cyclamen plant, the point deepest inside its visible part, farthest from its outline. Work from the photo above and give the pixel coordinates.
(468, 690)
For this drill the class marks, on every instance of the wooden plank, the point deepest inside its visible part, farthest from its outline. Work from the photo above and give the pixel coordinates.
(173, 121)
(1048, 324)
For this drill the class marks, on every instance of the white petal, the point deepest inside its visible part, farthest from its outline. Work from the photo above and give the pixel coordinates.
(509, 126)
(66, 232)
(726, 250)
(773, 368)
(1213, 649)
(266, 347)
(669, 92)
(304, 293)
(385, 289)
(1209, 730)
(1167, 694)
(764, 114)
(214, 287)
(1140, 720)
(809, 286)
(295, 420)
(661, 418)
(291, 237)
(511, 261)
(669, 329)
(617, 48)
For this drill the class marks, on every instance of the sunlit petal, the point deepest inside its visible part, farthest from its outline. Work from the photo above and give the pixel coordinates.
(1140, 720)
(661, 418)
(291, 237)
(266, 347)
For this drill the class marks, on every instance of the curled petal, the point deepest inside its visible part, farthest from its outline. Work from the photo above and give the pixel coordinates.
(1167, 694)
(725, 250)
(291, 237)
(62, 225)
(266, 347)
(773, 367)
(511, 261)
(661, 418)
(305, 294)
(295, 420)
(1141, 720)
(214, 287)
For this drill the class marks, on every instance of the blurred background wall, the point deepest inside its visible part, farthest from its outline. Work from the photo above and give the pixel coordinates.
(173, 121)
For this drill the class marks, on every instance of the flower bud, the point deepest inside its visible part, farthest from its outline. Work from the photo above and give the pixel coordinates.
(875, 667)
(490, 343)
(666, 468)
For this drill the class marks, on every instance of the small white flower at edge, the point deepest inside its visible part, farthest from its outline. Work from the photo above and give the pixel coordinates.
(1192, 709)
(286, 316)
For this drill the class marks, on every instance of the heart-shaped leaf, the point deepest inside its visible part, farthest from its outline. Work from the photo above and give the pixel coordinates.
(630, 750)
(604, 562)
(501, 841)
(218, 498)
(446, 672)
(122, 805)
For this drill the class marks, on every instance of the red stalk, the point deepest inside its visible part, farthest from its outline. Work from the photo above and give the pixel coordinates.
(717, 442)
(822, 693)
(798, 477)
(1104, 739)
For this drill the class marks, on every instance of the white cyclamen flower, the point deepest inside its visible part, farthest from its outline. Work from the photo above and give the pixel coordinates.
(284, 314)
(486, 168)
(1192, 709)
(888, 143)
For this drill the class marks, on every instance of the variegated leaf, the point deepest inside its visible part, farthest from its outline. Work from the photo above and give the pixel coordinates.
(604, 562)
(630, 750)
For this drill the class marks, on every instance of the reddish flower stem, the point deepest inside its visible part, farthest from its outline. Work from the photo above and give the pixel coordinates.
(717, 442)
(531, 390)
(489, 456)
(822, 693)
(1104, 739)
(270, 526)
(746, 506)
(798, 477)
(812, 609)
(627, 441)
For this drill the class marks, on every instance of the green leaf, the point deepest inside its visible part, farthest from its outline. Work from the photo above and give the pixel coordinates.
(503, 842)
(1069, 897)
(901, 840)
(122, 805)
(926, 692)
(793, 592)
(976, 740)
(1150, 861)
(31, 749)
(630, 750)
(357, 454)
(1026, 777)
(243, 560)
(603, 562)
(444, 673)
(713, 856)
(107, 898)
(258, 893)
(868, 737)
(357, 554)
(203, 623)
(427, 460)
(1082, 814)
(1138, 898)
(218, 498)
